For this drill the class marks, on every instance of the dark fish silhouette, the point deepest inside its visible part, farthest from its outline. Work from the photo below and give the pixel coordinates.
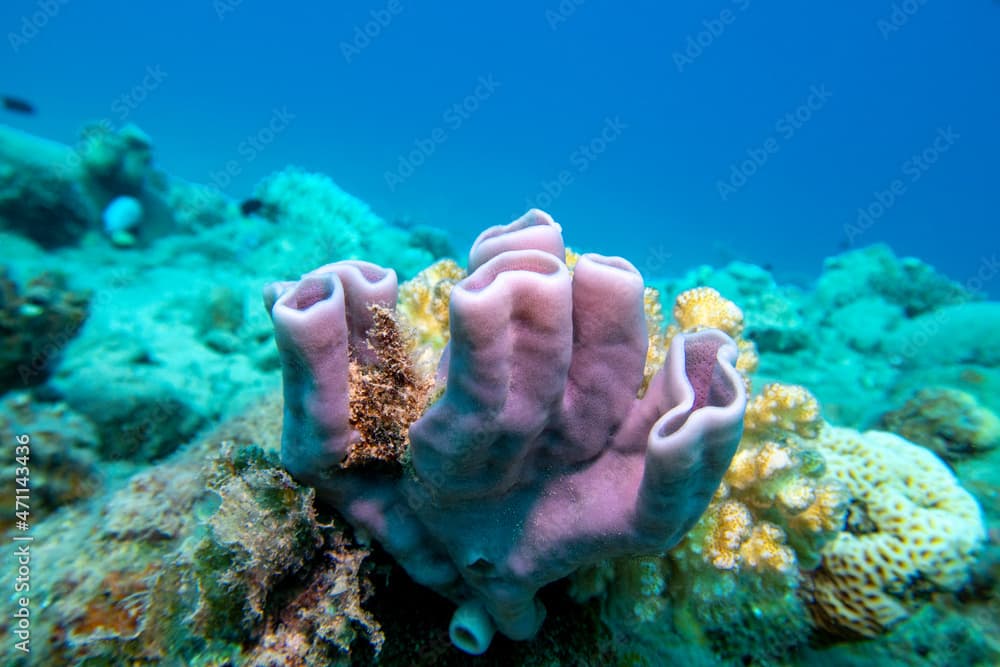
(17, 105)
(251, 206)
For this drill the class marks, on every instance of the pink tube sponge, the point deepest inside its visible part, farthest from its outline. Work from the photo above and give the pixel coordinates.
(540, 456)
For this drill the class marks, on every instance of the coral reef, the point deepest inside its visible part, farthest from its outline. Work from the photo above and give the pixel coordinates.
(950, 423)
(41, 193)
(774, 554)
(172, 574)
(120, 162)
(705, 307)
(956, 334)
(140, 417)
(214, 555)
(538, 428)
(883, 327)
(120, 217)
(54, 194)
(907, 283)
(911, 530)
(302, 200)
(36, 324)
(739, 567)
(335, 224)
(773, 320)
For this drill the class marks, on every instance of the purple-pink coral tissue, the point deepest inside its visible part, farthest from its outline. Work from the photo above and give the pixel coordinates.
(542, 454)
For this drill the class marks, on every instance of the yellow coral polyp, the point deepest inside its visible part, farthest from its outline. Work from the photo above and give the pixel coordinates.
(572, 257)
(783, 407)
(742, 473)
(797, 496)
(771, 459)
(749, 360)
(732, 524)
(424, 301)
(825, 513)
(765, 549)
(704, 307)
(656, 353)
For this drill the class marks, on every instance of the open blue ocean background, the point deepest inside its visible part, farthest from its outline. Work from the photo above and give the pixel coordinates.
(672, 135)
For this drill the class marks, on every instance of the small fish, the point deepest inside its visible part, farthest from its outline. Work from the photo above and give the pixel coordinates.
(17, 105)
(251, 206)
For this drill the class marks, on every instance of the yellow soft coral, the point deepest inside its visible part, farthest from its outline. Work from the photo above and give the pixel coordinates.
(778, 475)
(656, 353)
(783, 407)
(572, 257)
(911, 530)
(424, 300)
(731, 539)
(765, 549)
(705, 307)
(729, 526)
(748, 360)
(767, 520)
(824, 514)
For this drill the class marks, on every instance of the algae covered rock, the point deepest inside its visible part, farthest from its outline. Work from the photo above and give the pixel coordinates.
(195, 564)
(875, 271)
(862, 323)
(964, 333)
(37, 322)
(140, 415)
(42, 195)
(64, 468)
(950, 423)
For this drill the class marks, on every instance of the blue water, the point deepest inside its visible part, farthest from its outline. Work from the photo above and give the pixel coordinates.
(699, 161)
